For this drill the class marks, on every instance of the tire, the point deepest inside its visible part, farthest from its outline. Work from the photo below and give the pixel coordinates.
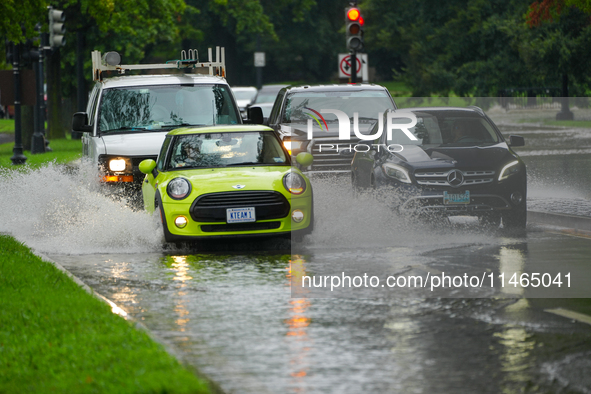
(168, 237)
(515, 220)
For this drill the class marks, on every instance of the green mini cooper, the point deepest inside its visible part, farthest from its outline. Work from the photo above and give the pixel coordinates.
(225, 181)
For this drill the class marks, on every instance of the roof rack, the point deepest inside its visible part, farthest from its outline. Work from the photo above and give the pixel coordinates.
(110, 61)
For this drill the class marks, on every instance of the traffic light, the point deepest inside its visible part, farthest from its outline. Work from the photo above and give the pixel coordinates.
(354, 28)
(57, 29)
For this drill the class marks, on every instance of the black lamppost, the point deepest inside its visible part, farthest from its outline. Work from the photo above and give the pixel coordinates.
(18, 157)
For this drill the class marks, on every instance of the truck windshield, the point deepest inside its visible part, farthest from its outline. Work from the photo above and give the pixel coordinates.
(367, 104)
(141, 108)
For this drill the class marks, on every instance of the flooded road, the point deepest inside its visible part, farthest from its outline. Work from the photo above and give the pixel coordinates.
(232, 316)
(232, 312)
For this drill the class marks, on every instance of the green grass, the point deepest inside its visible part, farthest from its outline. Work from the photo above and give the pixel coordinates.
(64, 151)
(7, 126)
(568, 123)
(55, 337)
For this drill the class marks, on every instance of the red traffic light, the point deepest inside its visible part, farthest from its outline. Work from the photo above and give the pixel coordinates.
(353, 14)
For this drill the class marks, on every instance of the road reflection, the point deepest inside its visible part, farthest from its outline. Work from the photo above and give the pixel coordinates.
(297, 334)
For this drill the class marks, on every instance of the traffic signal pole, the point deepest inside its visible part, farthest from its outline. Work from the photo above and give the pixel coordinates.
(38, 141)
(354, 35)
(354, 67)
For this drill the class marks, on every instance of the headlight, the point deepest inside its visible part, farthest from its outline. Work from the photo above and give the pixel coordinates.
(178, 188)
(509, 170)
(294, 183)
(117, 165)
(397, 172)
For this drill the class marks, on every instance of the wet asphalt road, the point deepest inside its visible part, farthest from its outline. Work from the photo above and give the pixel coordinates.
(232, 315)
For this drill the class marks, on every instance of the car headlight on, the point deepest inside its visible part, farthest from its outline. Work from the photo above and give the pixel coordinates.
(397, 172)
(117, 165)
(509, 170)
(178, 188)
(294, 183)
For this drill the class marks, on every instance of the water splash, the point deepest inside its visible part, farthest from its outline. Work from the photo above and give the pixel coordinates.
(54, 210)
(369, 221)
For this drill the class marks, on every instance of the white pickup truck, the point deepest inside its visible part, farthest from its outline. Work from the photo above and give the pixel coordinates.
(128, 116)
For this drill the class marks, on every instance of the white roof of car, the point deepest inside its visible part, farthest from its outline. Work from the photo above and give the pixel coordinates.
(161, 79)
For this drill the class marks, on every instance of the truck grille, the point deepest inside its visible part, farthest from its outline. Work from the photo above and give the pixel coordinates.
(212, 207)
(439, 178)
(329, 160)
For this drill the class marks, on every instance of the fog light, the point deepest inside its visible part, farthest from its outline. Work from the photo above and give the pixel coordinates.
(516, 198)
(180, 221)
(297, 216)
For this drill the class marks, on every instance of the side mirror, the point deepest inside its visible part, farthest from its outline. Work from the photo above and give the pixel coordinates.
(516, 140)
(80, 122)
(304, 159)
(255, 115)
(147, 166)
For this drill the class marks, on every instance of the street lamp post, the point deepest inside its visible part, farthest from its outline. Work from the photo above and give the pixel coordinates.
(18, 157)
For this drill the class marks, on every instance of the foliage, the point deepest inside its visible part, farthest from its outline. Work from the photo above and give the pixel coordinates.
(560, 33)
(466, 47)
(18, 18)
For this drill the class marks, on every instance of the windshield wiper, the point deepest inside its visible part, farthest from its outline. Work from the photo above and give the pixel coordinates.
(126, 128)
(183, 125)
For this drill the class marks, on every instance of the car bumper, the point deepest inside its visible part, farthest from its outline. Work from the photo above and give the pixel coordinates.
(497, 197)
(195, 230)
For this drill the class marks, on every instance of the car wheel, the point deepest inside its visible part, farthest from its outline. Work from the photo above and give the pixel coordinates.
(158, 205)
(516, 219)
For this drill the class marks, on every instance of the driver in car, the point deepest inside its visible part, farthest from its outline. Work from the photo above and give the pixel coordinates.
(462, 132)
(190, 154)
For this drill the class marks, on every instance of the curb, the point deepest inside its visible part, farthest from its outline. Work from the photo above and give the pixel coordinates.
(577, 223)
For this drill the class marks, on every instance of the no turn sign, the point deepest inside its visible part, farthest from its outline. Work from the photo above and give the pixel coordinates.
(346, 66)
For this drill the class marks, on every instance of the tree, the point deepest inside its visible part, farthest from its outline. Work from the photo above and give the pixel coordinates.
(18, 18)
(460, 46)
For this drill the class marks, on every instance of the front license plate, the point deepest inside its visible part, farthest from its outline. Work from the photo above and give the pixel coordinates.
(461, 198)
(240, 215)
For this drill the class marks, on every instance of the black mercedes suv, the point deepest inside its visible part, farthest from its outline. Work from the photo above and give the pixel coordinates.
(446, 161)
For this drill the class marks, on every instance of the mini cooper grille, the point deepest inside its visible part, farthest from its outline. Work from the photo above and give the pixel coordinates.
(212, 207)
(328, 159)
(215, 228)
(440, 178)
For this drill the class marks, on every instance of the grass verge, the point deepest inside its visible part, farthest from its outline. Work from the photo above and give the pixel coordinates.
(55, 337)
(64, 151)
(7, 126)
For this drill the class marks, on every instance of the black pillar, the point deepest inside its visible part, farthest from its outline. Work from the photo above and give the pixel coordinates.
(18, 157)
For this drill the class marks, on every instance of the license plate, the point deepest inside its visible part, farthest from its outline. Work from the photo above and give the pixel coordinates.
(240, 215)
(460, 198)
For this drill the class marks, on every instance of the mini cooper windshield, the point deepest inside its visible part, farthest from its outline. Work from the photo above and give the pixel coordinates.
(140, 108)
(449, 129)
(226, 149)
